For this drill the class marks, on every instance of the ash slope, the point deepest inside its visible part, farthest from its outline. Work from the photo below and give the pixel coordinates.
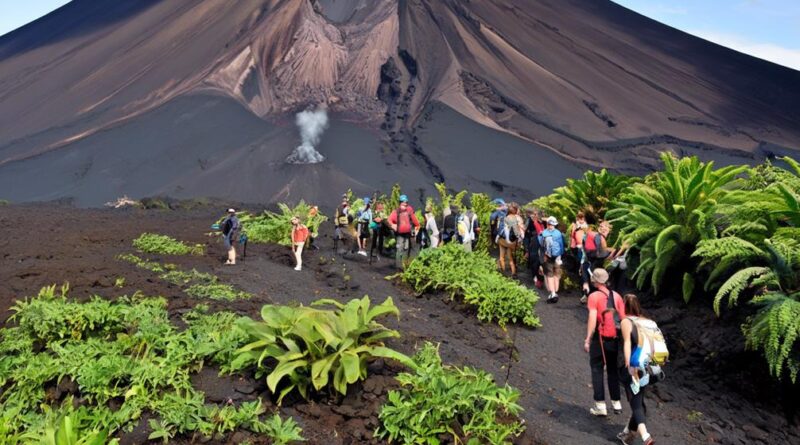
(104, 98)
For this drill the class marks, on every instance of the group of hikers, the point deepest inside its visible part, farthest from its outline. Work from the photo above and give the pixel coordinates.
(621, 341)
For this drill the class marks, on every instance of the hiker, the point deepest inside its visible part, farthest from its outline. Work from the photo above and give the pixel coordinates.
(230, 233)
(313, 232)
(364, 217)
(576, 234)
(533, 228)
(430, 226)
(551, 243)
(449, 224)
(475, 226)
(510, 232)
(378, 227)
(496, 216)
(342, 220)
(602, 341)
(299, 237)
(404, 223)
(595, 253)
(630, 372)
(466, 230)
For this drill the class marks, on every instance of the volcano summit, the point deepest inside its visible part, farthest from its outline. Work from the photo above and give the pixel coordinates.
(198, 98)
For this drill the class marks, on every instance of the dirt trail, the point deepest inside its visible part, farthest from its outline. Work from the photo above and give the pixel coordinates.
(547, 364)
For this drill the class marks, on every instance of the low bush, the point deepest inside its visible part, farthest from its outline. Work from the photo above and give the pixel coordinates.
(165, 245)
(474, 276)
(314, 348)
(276, 228)
(216, 291)
(437, 400)
(126, 351)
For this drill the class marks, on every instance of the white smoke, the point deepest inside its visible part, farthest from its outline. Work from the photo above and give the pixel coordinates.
(312, 124)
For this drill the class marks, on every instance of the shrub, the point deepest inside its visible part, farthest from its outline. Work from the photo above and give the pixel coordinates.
(216, 291)
(276, 228)
(474, 276)
(126, 350)
(462, 402)
(666, 216)
(318, 347)
(165, 245)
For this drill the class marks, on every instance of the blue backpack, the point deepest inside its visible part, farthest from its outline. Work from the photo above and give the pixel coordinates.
(552, 243)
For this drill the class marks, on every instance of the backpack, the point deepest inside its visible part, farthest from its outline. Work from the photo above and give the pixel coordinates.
(550, 247)
(593, 245)
(610, 315)
(506, 232)
(465, 228)
(343, 217)
(403, 222)
(651, 348)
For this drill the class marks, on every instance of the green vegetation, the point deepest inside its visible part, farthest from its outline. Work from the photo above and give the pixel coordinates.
(732, 232)
(318, 347)
(195, 283)
(276, 228)
(462, 402)
(66, 426)
(473, 276)
(4, 202)
(126, 350)
(165, 245)
(593, 195)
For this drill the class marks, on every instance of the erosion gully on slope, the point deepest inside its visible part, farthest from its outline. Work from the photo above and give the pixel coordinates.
(547, 364)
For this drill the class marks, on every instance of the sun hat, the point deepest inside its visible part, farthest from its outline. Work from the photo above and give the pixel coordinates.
(403, 198)
(231, 210)
(499, 201)
(552, 221)
(599, 276)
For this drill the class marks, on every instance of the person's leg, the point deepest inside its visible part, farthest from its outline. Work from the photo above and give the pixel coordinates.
(596, 364)
(298, 255)
(511, 251)
(612, 349)
(502, 257)
(401, 246)
(557, 278)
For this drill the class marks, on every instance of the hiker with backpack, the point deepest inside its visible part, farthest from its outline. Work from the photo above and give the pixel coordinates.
(644, 351)
(595, 253)
(533, 228)
(465, 226)
(551, 243)
(606, 309)
(495, 217)
(378, 227)
(576, 234)
(449, 224)
(510, 232)
(299, 238)
(405, 224)
(475, 226)
(342, 220)
(363, 219)
(230, 227)
(430, 227)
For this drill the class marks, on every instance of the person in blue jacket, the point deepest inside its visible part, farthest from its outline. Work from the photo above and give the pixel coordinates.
(551, 242)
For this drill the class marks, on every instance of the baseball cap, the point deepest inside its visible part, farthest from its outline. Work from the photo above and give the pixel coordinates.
(231, 210)
(599, 276)
(403, 198)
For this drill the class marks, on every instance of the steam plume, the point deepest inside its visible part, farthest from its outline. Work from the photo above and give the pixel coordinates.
(312, 124)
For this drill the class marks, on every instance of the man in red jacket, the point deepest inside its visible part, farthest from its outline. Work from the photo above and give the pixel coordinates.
(405, 225)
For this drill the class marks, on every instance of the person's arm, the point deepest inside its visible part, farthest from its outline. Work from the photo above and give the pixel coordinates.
(591, 325)
(393, 220)
(627, 326)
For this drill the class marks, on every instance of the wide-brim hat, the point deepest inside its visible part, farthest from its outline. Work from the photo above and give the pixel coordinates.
(599, 276)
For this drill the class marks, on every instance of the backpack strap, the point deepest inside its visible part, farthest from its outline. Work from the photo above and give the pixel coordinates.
(610, 307)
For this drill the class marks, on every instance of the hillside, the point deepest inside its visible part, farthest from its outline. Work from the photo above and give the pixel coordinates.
(196, 98)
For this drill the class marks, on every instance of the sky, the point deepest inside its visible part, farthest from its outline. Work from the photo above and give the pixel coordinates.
(769, 29)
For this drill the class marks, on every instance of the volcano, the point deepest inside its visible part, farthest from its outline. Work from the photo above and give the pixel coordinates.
(195, 98)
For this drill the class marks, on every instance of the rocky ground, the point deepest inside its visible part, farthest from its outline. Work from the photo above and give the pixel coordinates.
(715, 392)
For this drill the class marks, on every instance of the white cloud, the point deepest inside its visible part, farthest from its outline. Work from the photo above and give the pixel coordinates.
(768, 51)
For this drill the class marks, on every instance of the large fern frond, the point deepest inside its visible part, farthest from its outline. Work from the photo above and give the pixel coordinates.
(775, 329)
(738, 282)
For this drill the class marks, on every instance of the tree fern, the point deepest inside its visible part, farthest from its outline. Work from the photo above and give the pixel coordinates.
(775, 330)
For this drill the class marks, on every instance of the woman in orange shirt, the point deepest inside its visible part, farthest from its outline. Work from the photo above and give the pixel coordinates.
(299, 237)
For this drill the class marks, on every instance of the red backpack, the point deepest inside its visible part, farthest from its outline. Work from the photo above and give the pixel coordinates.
(610, 316)
(403, 221)
(593, 245)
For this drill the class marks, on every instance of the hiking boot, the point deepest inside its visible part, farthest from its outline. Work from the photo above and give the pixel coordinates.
(362, 252)
(551, 299)
(649, 441)
(617, 406)
(627, 438)
(554, 298)
(599, 409)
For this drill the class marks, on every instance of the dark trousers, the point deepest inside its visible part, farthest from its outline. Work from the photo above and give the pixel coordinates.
(610, 348)
(638, 408)
(377, 240)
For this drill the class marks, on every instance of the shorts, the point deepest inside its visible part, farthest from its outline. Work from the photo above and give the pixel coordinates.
(551, 268)
(363, 231)
(227, 242)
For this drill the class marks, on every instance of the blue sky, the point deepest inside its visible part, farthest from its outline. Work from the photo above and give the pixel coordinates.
(769, 29)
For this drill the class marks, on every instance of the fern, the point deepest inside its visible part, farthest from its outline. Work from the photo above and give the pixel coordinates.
(775, 330)
(738, 282)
